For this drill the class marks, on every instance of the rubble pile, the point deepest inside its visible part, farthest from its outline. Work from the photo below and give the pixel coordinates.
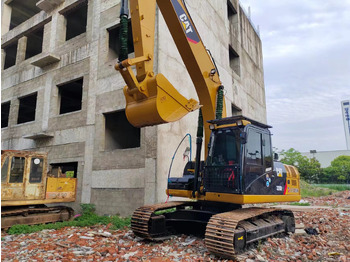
(321, 235)
(339, 199)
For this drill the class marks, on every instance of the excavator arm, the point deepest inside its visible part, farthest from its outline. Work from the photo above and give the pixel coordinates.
(151, 99)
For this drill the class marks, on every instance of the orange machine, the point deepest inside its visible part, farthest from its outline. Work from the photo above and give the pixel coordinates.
(26, 188)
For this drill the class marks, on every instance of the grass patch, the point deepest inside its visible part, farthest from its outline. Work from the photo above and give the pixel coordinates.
(88, 218)
(337, 187)
(299, 204)
(308, 190)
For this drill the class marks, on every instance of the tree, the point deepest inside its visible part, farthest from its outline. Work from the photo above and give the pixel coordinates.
(341, 168)
(309, 169)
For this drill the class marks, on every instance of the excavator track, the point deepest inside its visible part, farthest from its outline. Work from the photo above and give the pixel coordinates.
(228, 233)
(141, 219)
(34, 215)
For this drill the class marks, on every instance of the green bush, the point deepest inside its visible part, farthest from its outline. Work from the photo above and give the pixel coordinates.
(87, 218)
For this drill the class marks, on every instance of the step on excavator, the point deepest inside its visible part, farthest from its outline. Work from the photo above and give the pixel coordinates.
(239, 166)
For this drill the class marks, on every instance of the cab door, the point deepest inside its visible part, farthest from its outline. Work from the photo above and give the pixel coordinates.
(36, 178)
(254, 180)
(13, 184)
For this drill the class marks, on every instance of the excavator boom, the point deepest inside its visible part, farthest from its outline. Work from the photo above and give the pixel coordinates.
(151, 99)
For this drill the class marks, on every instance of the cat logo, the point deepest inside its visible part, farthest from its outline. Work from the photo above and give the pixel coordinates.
(186, 24)
(240, 238)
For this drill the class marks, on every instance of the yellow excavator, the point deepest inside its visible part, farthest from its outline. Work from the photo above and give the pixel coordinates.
(26, 189)
(239, 166)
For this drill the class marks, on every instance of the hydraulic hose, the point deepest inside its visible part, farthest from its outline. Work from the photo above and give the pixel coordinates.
(199, 142)
(219, 102)
(123, 35)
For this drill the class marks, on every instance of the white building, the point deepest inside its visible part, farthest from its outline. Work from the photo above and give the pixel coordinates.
(326, 157)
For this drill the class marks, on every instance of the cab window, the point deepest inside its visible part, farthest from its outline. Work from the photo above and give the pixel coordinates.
(267, 151)
(36, 170)
(253, 148)
(17, 169)
(4, 170)
(226, 148)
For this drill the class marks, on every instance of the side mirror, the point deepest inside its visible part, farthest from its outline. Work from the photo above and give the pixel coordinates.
(243, 137)
(275, 156)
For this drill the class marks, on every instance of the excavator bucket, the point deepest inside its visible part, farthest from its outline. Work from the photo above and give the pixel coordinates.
(163, 105)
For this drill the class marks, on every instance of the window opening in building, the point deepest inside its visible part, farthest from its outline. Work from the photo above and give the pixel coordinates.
(27, 108)
(114, 42)
(234, 61)
(4, 170)
(76, 20)
(5, 111)
(34, 43)
(119, 133)
(22, 10)
(64, 170)
(236, 111)
(231, 11)
(36, 170)
(10, 55)
(71, 95)
(17, 169)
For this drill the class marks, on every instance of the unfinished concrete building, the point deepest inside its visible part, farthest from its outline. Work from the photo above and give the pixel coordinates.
(61, 94)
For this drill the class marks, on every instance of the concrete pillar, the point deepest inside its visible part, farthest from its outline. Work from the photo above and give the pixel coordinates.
(14, 108)
(150, 182)
(5, 18)
(3, 55)
(46, 37)
(46, 102)
(58, 30)
(88, 159)
(56, 27)
(94, 15)
(21, 50)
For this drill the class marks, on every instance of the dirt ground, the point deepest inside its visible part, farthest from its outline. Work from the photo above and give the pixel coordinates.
(327, 217)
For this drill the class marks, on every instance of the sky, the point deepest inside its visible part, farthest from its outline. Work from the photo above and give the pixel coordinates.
(306, 49)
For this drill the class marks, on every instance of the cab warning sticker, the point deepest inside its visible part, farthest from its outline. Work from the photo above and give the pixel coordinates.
(293, 190)
(279, 188)
(279, 172)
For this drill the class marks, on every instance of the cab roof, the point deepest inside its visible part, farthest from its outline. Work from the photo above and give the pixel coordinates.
(235, 120)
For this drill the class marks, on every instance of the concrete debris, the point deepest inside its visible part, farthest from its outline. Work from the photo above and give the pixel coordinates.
(85, 237)
(99, 243)
(300, 226)
(300, 231)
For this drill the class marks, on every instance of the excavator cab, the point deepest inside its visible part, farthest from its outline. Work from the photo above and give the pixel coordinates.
(240, 161)
(239, 167)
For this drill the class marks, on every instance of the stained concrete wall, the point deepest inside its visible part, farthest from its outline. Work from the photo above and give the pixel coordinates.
(118, 181)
